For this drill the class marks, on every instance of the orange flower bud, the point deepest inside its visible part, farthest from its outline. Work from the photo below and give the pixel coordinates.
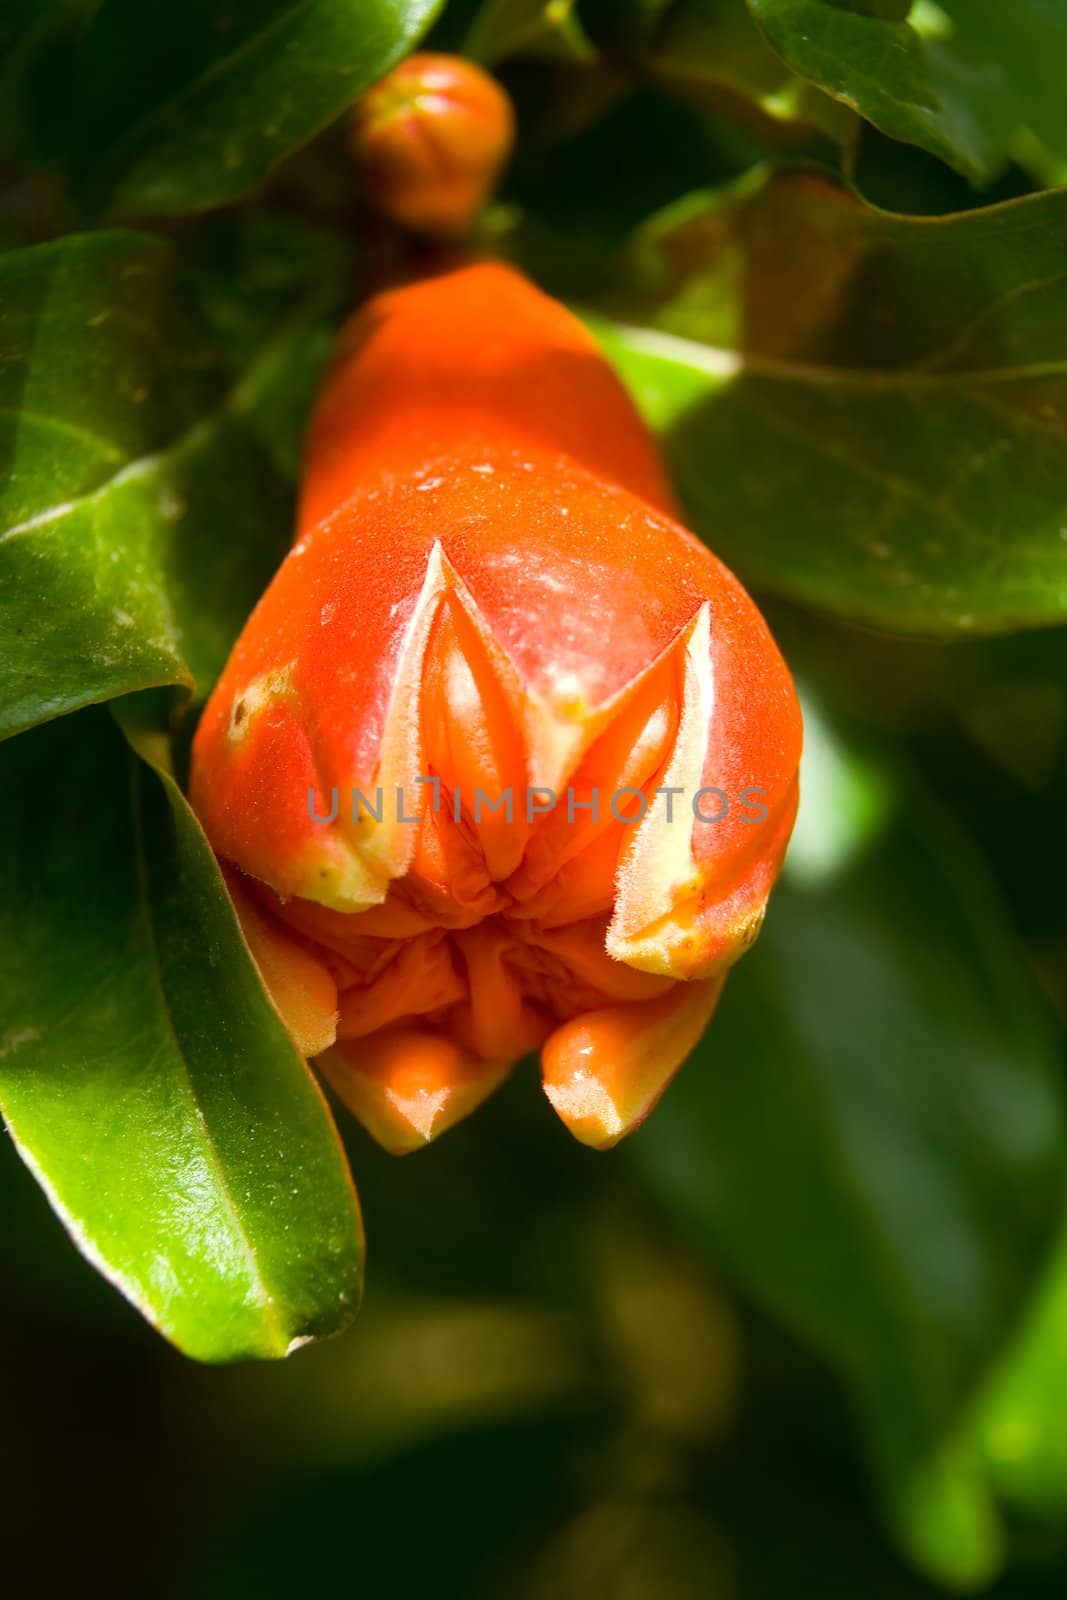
(430, 141)
(504, 752)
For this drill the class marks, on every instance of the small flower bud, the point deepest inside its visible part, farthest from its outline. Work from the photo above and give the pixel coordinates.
(430, 141)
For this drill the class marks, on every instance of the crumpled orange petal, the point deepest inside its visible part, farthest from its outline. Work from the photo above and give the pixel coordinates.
(604, 1071)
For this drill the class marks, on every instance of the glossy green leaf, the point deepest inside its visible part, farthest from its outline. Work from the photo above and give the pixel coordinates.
(81, 422)
(865, 412)
(713, 54)
(972, 81)
(870, 1137)
(173, 109)
(144, 1075)
(141, 515)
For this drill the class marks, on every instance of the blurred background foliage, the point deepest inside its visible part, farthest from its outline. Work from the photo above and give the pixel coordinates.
(806, 1333)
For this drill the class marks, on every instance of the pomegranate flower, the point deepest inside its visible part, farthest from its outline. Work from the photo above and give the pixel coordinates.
(505, 760)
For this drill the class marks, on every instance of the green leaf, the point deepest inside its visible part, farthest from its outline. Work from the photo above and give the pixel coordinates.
(904, 83)
(972, 81)
(870, 1138)
(81, 419)
(714, 55)
(865, 412)
(1025, 47)
(145, 1077)
(1022, 1425)
(178, 108)
(271, 290)
(548, 30)
(142, 514)
(945, 1516)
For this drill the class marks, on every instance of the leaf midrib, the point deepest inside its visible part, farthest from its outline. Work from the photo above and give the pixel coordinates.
(233, 403)
(264, 1299)
(695, 355)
